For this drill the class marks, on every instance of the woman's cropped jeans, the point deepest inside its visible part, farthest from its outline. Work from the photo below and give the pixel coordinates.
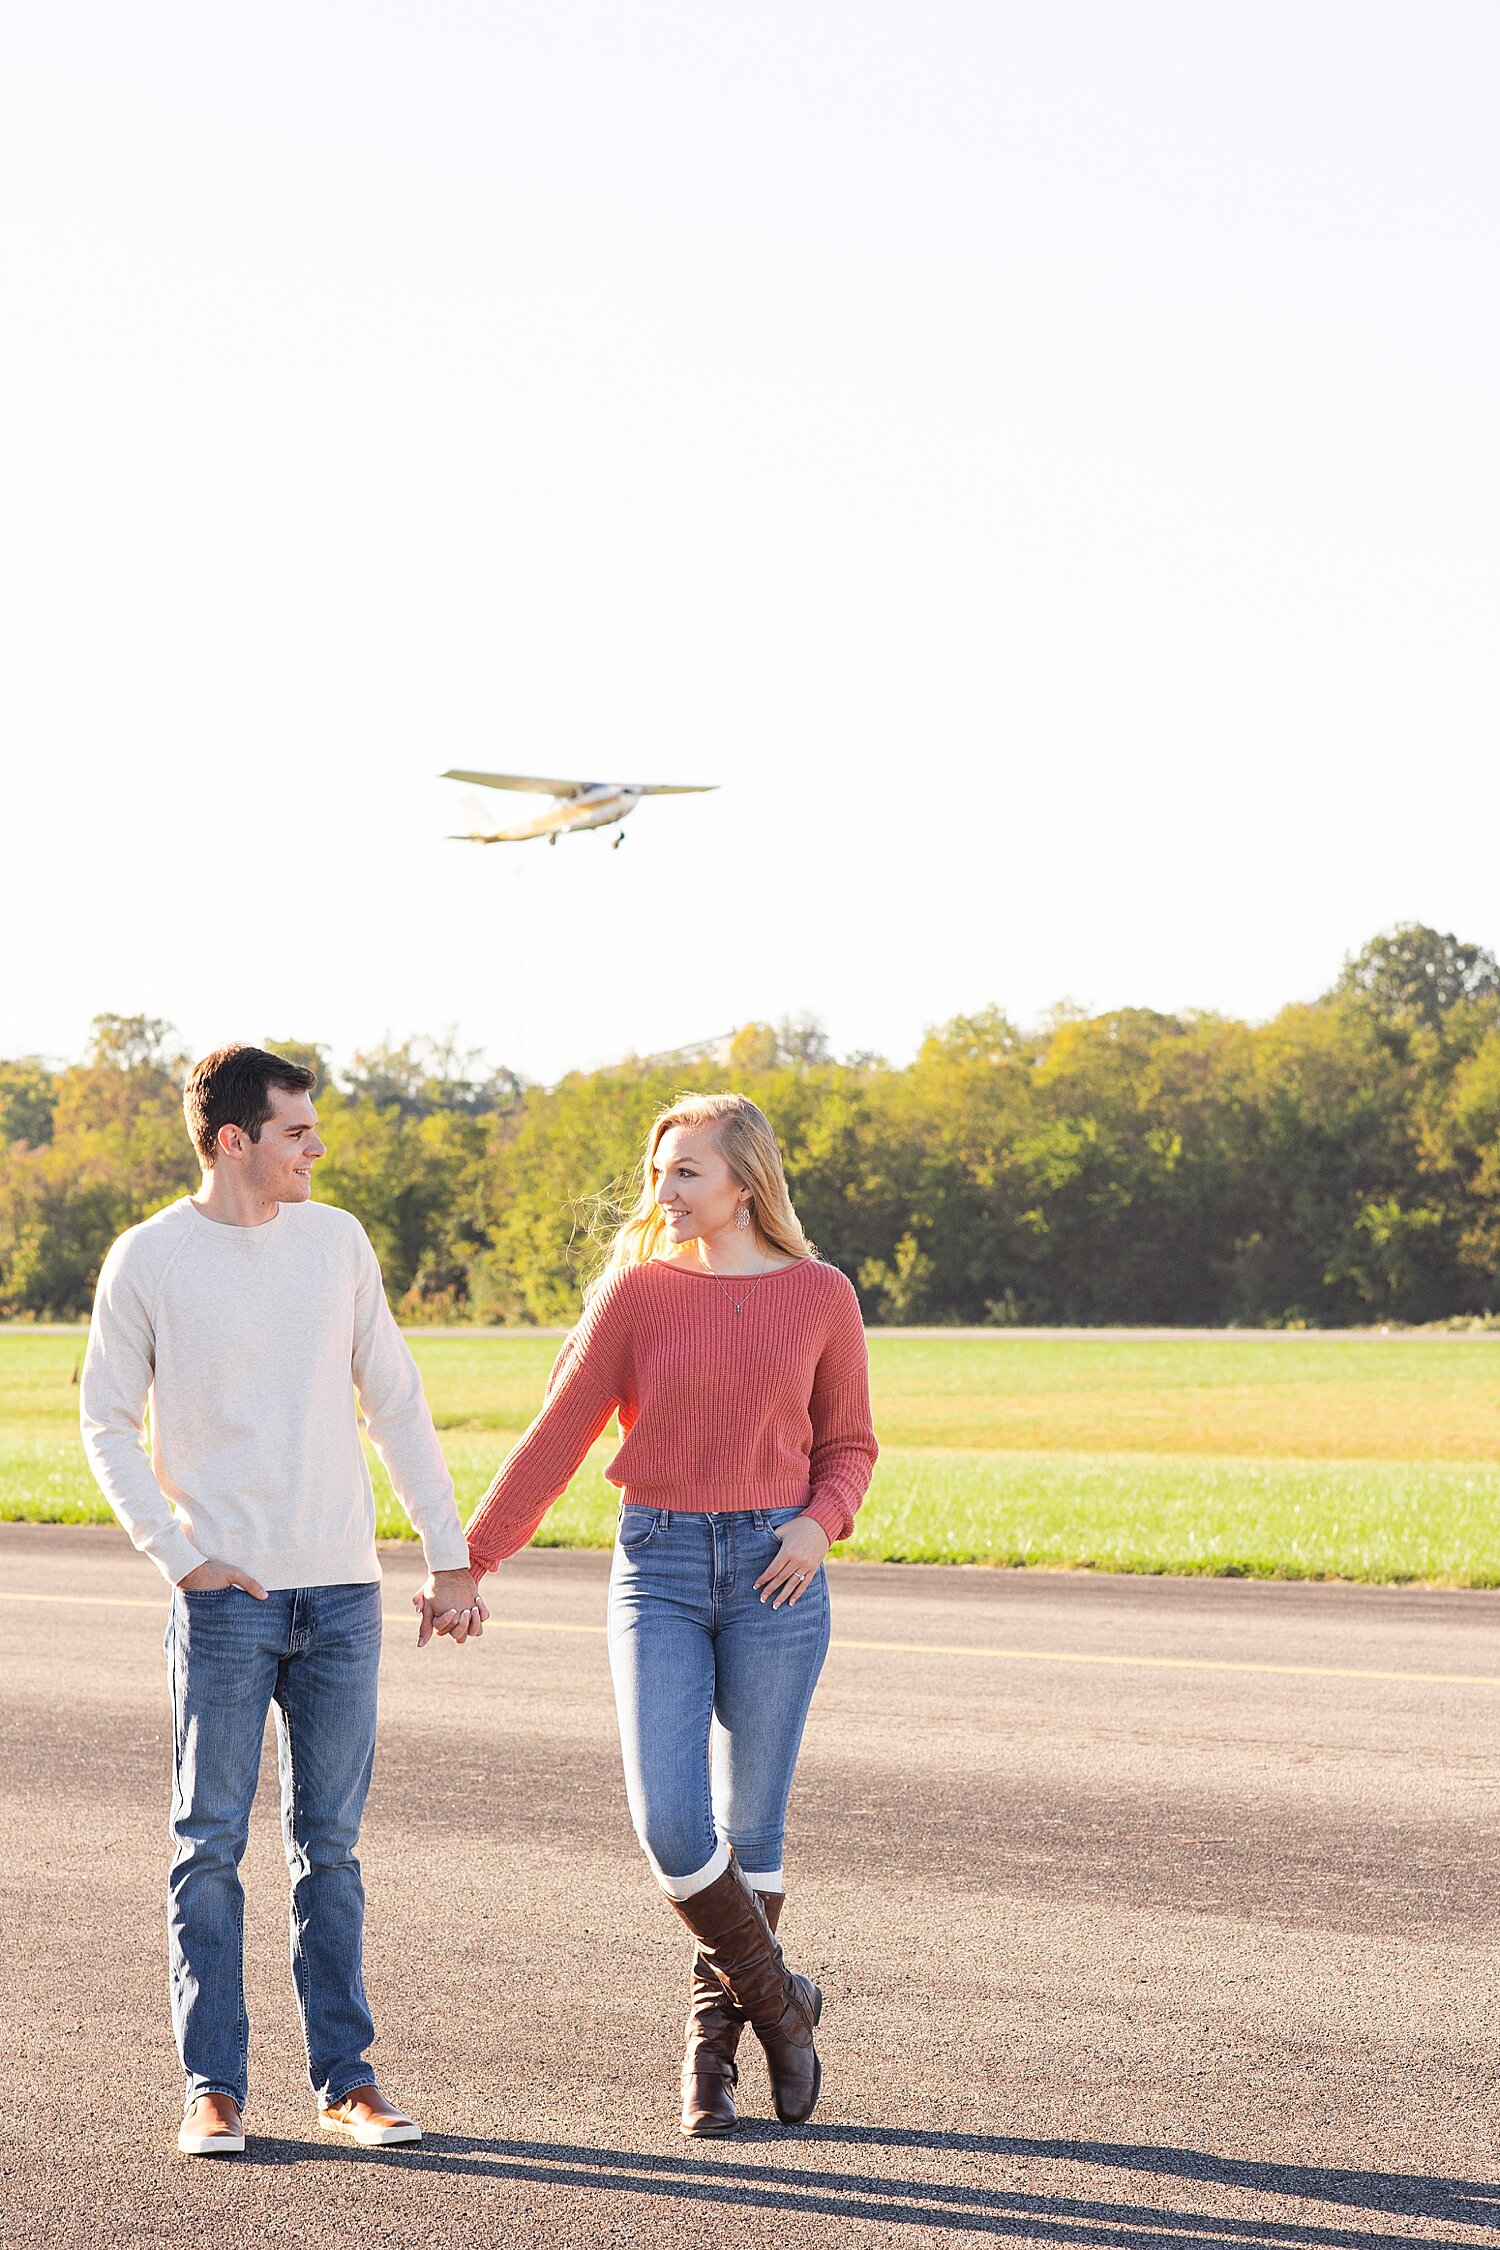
(712, 1686)
(312, 1654)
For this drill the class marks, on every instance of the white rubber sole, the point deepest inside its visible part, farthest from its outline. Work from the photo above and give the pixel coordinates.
(211, 2144)
(371, 2136)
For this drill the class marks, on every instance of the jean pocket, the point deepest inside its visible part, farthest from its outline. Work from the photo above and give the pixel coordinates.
(206, 1593)
(637, 1528)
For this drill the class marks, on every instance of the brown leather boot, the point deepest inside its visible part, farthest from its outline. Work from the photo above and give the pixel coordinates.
(714, 2024)
(735, 1941)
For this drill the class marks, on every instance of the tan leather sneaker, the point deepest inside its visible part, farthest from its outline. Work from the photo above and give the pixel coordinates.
(364, 2115)
(212, 2127)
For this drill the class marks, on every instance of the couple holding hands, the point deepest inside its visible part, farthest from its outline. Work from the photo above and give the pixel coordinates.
(249, 1317)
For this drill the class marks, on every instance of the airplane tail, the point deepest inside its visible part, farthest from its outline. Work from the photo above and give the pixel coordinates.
(480, 831)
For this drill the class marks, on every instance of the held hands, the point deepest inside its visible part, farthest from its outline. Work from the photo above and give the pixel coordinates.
(208, 1577)
(803, 1546)
(450, 1604)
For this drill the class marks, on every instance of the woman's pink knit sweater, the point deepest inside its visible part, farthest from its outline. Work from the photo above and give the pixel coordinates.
(768, 1407)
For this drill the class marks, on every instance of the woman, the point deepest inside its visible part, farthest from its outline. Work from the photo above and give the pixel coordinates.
(736, 1362)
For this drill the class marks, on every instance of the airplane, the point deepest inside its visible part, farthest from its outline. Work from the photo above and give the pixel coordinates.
(576, 804)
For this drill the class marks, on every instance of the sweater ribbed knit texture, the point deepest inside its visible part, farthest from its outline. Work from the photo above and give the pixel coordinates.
(768, 1407)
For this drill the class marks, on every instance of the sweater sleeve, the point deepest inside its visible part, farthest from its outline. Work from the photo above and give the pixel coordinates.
(584, 1389)
(399, 1421)
(843, 1448)
(118, 1370)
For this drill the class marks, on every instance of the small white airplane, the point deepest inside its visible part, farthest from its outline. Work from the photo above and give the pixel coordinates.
(576, 804)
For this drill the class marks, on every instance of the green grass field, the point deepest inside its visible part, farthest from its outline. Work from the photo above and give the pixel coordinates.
(1367, 1457)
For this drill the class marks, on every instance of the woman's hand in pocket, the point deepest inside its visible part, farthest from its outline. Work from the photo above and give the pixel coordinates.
(804, 1543)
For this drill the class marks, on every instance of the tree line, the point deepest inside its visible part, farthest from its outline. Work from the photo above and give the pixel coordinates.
(1337, 1165)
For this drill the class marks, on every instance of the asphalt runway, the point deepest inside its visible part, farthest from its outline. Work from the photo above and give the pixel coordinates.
(1147, 1911)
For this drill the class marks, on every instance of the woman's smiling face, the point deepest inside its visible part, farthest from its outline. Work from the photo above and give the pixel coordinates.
(696, 1192)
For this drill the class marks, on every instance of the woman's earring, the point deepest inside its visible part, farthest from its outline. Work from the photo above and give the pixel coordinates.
(742, 1216)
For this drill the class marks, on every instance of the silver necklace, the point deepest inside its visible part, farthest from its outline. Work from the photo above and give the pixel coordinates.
(739, 1303)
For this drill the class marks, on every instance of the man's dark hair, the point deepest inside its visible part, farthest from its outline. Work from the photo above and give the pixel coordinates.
(232, 1086)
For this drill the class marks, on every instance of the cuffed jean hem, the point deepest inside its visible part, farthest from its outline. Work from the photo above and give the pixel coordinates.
(681, 1887)
(331, 2101)
(768, 1879)
(193, 2094)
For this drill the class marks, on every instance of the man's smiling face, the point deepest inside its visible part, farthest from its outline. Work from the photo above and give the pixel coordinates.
(278, 1166)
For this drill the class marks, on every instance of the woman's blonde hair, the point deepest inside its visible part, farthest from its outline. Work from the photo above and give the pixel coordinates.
(743, 1137)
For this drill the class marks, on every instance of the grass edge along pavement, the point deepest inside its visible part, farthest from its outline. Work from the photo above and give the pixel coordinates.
(1402, 1505)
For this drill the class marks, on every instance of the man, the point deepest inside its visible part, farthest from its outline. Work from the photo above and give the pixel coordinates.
(250, 1315)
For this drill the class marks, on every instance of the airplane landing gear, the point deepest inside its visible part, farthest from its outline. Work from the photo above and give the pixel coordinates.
(552, 839)
(619, 840)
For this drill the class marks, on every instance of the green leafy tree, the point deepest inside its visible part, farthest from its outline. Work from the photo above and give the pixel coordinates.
(422, 1076)
(1413, 976)
(28, 1097)
(118, 1151)
(136, 1043)
(1338, 1163)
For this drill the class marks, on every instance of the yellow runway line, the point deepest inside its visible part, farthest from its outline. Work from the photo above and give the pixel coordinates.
(1174, 1663)
(925, 1648)
(84, 1601)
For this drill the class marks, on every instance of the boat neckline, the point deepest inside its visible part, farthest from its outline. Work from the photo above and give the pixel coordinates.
(702, 1273)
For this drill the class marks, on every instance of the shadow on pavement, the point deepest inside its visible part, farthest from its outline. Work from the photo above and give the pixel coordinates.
(836, 2193)
(1405, 2194)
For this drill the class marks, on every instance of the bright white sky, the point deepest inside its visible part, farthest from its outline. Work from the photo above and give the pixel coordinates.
(1041, 461)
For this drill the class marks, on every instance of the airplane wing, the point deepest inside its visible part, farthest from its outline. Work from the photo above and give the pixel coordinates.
(674, 788)
(531, 782)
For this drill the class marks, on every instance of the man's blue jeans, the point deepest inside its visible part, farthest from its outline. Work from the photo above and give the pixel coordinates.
(712, 1687)
(313, 1654)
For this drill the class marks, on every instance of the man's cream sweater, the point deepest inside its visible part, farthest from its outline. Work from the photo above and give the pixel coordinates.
(250, 1343)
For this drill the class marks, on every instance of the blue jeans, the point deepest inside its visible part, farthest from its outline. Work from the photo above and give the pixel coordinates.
(313, 1654)
(712, 1685)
